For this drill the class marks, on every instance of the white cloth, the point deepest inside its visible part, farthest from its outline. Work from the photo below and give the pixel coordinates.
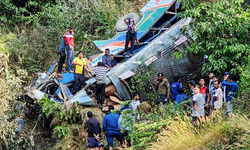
(218, 103)
(229, 107)
(134, 104)
(199, 102)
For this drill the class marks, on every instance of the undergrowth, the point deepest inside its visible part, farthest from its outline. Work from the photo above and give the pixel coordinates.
(215, 134)
(11, 82)
(69, 123)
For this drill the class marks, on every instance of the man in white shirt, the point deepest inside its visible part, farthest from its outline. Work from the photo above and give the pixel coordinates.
(218, 96)
(198, 106)
(135, 103)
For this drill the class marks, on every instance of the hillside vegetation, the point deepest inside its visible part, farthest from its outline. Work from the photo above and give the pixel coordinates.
(30, 36)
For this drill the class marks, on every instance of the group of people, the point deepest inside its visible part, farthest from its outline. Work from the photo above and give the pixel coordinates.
(204, 98)
(114, 124)
(83, 69)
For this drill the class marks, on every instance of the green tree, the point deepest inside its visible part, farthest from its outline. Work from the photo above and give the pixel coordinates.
(222, 29)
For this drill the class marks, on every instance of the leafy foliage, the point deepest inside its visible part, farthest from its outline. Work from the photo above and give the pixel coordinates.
(222, 31)
(15, 12)
(143, 133)
(68, 124)
(30, 40)
(245, 78)
(141, 83)
(60, 111)
(11, 82)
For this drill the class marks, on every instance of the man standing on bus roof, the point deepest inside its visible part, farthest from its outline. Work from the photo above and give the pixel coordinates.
(69, 42)
(130, 35)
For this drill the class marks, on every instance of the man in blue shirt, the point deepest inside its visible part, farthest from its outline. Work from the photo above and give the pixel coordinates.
(113, 61)
(94, 131)
(224, 88)
(130, 35)
(106, 60)
(175, 87)
(62, 56)
(232, 90)
(182, 96)
(191, 85)
(110, 126)
(123, 125)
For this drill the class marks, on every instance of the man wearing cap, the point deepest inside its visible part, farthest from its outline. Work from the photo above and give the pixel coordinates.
(232, 91)
(191, 85)
(69, 42)
(224, 88)
(163, 88)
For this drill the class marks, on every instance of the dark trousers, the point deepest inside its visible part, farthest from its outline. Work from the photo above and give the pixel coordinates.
(100, 93)
(111, 135)
(162, 99)
(125, 136)
(130, 36)
(61, 61)
(78, 81)
(70, 57)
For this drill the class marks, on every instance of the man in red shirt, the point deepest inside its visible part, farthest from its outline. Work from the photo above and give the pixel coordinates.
(203, 89)
(205, 93)
(69, 42)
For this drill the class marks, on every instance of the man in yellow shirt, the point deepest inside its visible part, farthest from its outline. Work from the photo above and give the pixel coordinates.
(79, 63)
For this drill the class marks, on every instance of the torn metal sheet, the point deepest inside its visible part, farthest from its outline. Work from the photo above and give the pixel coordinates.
(83, 99)
(65, 91)
(36, 94)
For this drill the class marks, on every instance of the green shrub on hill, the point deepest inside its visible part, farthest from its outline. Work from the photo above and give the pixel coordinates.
(222, 29)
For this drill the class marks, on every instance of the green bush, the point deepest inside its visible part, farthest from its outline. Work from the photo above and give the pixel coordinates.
(222, 31)
(244, 79)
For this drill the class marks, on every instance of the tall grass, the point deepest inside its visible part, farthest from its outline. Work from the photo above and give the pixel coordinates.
(218, 133)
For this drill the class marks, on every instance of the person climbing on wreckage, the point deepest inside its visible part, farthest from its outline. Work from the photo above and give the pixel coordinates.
(130, 35)
(100, 73)
(69, 42)
(79, 63)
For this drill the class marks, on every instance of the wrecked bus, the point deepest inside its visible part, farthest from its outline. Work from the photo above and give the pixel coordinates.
(160, 35)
